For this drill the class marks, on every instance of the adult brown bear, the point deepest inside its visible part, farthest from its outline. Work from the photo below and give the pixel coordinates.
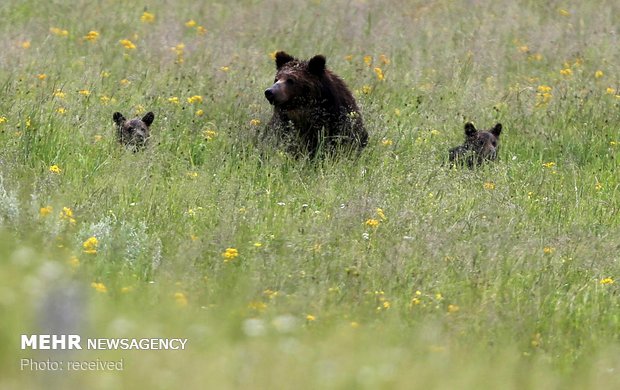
(313, 110)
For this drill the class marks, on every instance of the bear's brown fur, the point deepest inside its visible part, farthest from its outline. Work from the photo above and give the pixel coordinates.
(313, 110)
(479, 146)
(133, 133)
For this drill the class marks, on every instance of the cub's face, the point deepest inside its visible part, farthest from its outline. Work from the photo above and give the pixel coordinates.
(135, 132)
(296, 82)
(479, 146)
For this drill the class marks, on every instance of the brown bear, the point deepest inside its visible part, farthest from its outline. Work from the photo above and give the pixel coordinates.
(313, 110)
(133, 133)
(479, 146)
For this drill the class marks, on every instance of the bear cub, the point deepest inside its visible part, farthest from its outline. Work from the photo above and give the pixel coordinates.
(313, 110)
(479, 146)
(133, 133)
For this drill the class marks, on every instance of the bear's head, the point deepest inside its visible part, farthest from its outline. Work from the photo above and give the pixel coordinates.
(297, 82)
(133, 133)
(479, 146)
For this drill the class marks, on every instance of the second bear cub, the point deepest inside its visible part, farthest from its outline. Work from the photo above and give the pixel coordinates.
(479, 146)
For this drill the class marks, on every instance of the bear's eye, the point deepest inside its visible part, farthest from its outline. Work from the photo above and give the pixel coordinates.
(290, 81)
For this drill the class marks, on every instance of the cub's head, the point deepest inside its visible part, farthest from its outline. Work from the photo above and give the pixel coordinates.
(133, 133)
(479, 146)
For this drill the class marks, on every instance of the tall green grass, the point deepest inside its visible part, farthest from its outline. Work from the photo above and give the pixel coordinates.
(387, 271)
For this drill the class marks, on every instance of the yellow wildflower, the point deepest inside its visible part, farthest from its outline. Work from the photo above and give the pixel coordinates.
(348, 57)
(372, 223)
(524, 49)
(59, 32)
(61, 110)
(147, 17)
(199, 112)
(173, 100)
(381, 214)
(310, 318)
(25, 44)
(380, 75)
(489, 185)
(127, 44)
(366, 89)
(386, 142)
(99, 287)
(598, 186)
(190, 23)
(606, 281)
(84, 92)
(384, 59)
(610, 91)
(566, 72)
(194, 99)
(3, 119)
(563, 12)
(254, 122)
(230, 254)
(453, 308)
(209, 134)
(55, 169)
(368, 60)
(224, 68)
(180, 299)
(126, 289)
(59, 94)
(549, 164)
(598, 74)
(67, 215)
(544, 88)
(548, 250)
(124, 82)
(257, 305)
(41, 76)
(90, 245)
(201, 30)
(45, 211)
(91, 36)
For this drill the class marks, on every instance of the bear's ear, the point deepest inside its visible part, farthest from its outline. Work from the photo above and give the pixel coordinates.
(497, 130)
(470, 129)
(316, 65)
(148, 118)
(118, 118)
(283, 58)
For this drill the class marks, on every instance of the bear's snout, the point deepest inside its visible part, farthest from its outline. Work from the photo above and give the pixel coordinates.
(270, 95)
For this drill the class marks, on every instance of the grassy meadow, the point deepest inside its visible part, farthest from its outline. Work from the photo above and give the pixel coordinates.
(386, 271)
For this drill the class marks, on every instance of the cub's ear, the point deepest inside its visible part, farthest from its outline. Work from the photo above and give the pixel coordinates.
(118, 118)
(497, 130)
(148, 118)
(283, 58)
(316, 65)
(470, 129)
